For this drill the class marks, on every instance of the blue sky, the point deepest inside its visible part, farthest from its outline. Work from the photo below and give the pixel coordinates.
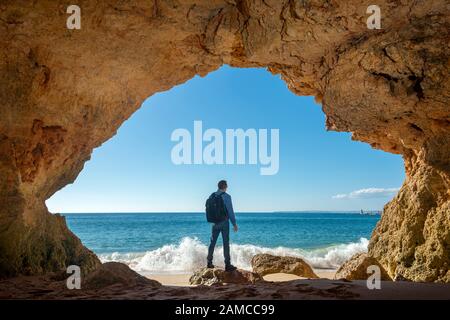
(319, 170)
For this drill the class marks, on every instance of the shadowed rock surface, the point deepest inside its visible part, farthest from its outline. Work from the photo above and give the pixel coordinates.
(356, 268)
(113, 273)
(65, 92)
(211, 276)
(265, 264)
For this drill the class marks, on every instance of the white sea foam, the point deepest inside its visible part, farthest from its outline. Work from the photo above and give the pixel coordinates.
(190, 254)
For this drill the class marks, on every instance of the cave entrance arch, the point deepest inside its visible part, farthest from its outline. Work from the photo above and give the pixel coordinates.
(125, 175)
(65, 92)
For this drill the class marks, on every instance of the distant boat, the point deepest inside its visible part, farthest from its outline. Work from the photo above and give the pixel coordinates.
(370, 213)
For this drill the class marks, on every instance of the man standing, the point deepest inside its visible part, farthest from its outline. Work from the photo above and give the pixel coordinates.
(223, 227)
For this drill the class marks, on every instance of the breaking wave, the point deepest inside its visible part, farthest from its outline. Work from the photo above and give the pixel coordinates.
(190, 254)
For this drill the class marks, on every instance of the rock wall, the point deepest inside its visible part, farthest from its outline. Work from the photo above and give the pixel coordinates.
(65, 92)
(412, 240)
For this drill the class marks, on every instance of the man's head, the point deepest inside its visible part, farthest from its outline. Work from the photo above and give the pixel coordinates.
(222, 185)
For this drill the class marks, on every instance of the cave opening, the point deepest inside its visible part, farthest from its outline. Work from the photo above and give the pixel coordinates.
(118, 202)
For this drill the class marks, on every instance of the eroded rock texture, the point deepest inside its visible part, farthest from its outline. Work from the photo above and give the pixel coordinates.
(217, 276)
(357, 267)
(265, 264)
(64, 92)
(115, 273)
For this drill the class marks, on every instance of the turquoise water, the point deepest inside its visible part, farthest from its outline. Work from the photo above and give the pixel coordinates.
(177, 242)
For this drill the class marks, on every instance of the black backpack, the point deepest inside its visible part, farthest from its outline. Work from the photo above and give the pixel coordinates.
(215, 208)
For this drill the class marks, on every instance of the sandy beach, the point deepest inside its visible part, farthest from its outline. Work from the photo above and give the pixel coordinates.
(47, 288)
(183, 279)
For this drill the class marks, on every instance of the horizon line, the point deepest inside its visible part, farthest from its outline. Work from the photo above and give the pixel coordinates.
(239, 212)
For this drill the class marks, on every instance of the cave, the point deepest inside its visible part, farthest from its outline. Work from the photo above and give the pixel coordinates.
(66, 91)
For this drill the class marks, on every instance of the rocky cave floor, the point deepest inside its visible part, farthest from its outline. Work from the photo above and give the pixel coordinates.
(46, 288)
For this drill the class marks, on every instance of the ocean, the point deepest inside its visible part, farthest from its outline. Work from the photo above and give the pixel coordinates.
(176, 243)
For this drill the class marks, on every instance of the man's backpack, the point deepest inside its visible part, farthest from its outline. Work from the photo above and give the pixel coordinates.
(215, 208)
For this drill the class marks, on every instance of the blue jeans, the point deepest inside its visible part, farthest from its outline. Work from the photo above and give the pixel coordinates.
(217, 228)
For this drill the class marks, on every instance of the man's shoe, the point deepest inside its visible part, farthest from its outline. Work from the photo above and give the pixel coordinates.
(230, 268)
(210, 266)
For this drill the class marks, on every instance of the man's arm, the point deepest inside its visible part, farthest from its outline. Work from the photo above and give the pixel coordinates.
(229, 207)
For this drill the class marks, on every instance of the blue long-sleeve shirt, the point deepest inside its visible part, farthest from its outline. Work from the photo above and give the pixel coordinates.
(228, 205)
